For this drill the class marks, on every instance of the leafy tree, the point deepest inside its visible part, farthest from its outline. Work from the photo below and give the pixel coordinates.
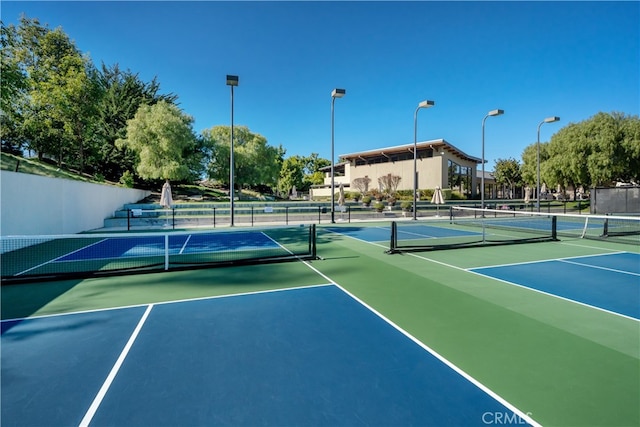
(13, 91)
(291, 174)
(256, 163)
(123, 93)
(312, 173)
(162, 137)
(507, 172)
(598, 151)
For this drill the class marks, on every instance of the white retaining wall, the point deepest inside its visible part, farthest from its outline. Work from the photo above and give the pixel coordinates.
(32, 204)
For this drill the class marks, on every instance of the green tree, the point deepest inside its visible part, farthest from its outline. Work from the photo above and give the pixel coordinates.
(256, 163)
(13, 91)
(507, 172)
(598, 151)
(292, 174)
(162, 137)
(123, 93)
(312, 173)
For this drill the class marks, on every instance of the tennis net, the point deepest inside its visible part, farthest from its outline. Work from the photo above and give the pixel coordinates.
(85, 255)
(468, 227)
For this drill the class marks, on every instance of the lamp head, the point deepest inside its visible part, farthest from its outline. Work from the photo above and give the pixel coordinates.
(232, 80)
(552, 119)
(338, 93)
(495, 113)
(426, 104)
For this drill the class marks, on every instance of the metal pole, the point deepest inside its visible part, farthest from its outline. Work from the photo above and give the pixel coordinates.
(333, 100)
(482, 176)
(415, 163)
(538, 168)
(231, 165)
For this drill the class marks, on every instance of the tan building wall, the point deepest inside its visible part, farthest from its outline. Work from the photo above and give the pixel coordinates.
(432, 168)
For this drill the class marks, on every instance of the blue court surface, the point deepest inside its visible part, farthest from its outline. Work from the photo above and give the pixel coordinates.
(405, 232)
(307, 356)
(131, 247)
(609, 282)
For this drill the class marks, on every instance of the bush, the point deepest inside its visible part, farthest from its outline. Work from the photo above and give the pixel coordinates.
(379, 206)
(406, 205)
(126, 180)
(366, 200)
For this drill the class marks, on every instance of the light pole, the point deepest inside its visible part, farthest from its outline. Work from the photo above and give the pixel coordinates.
(231, 81)
(336, 93)
(490, 113)
(423, 104)
(547, 120)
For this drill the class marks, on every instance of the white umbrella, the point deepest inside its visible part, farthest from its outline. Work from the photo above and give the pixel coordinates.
(294, 192)
(527, 194)
(341, 196)
(438, 199)
(166, 199)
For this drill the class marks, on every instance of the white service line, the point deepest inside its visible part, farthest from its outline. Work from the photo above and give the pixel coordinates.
(521, 414)
(86, 420)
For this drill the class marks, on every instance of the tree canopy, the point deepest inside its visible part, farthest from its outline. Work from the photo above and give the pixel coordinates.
(162, 137)
(601, 150)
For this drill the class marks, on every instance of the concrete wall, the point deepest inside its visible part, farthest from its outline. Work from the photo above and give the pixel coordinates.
(32, 204)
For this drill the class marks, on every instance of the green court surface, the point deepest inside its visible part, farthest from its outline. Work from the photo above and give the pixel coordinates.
(562, 363)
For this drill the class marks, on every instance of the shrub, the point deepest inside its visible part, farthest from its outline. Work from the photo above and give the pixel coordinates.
(126, 180)
(406, 205)
(379, 206)
(366, 200)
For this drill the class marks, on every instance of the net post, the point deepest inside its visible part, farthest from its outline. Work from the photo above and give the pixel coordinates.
(393, 244)
(312, 241)
(554, 227)
(605, 229)
(166, 252)
(319, 212)
(128, 219)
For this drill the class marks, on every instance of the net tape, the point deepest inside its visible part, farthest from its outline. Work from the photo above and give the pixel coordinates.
(85, 255)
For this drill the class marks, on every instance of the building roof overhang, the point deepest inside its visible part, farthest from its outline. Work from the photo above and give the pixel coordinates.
(436, 144)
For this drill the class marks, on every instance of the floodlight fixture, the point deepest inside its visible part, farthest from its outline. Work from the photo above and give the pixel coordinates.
(232, 80)
(336, 93)
(423, 104)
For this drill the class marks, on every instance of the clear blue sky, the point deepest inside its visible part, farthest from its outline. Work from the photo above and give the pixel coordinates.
(532, 59)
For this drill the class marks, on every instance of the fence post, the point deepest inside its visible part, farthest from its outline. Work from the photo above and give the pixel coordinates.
(286, 215)
(128, 219)
(252, 216)
(173, 218)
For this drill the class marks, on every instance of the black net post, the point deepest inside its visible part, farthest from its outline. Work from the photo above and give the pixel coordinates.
(128, 219)
(554, 227)
(312, 242)
(394, 235)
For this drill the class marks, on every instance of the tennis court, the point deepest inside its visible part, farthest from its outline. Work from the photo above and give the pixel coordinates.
(358, 337)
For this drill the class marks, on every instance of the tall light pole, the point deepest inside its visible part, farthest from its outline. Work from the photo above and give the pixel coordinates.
(423, 104)
(490, 113)
(336, 93)
(547, 120)
(231, 81)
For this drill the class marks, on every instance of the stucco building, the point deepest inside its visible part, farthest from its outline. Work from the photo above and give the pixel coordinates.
(439, 163)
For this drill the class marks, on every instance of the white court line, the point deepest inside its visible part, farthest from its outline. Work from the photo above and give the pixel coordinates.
(598, 267)
(61, 256)
(451, 365)
(114, 371)
(185, 244)
(555, 296)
